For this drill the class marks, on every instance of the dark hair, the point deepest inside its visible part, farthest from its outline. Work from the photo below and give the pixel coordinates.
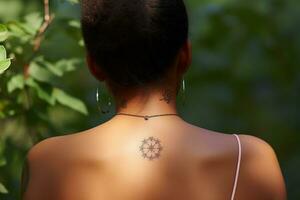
(134, 41)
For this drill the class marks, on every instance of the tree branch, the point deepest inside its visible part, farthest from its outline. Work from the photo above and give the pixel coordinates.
(47, 20)
(40, 34)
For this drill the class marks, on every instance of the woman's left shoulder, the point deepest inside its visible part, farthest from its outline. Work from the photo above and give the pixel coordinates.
(254, 147)
(260, 167)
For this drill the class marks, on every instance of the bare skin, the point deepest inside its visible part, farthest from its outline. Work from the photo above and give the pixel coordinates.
(182, 161)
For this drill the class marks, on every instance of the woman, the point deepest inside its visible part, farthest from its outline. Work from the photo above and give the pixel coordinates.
(140, 49)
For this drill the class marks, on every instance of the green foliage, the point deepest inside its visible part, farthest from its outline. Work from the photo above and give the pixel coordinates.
(16, 82)
(3, 33)
(73, 1)
(33, 85)
(3, 189)
(4, 65)
(38, 74)
(69, 101)
(4, 61)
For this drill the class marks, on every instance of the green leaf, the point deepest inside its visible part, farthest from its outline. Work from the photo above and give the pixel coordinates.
(52, 68)
(74, 23)
(41, 74)
(69, 101)
(73, 1)
(2, 161)
(44, 71)
(42, 94)
(33, 21)
(29, 28)
(81, 43)
(68, 65)
(16, 28)
(3, 33)
(4, 62)
(2, 53)
(16, 82)
(49, 66)
(4, 65)
(3, 189)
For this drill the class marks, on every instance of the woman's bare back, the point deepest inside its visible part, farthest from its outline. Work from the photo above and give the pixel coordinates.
(189, 163)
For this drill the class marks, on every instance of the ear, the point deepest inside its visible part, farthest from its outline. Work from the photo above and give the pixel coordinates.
(94, 68)
(185, 57)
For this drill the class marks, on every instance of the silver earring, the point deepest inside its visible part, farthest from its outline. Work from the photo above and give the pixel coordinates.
(104, 104)
(183, 89)
(181, 97)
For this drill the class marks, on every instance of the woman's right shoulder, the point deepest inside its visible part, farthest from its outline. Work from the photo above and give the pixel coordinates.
(43, 148)
(260, 172)
(36, 160)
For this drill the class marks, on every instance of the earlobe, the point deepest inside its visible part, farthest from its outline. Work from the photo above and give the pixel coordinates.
(94, 69)
(186, 56)
(189, 46)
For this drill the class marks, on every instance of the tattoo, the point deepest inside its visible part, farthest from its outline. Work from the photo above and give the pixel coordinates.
(24, 178)
(167, 96)
(151, 148)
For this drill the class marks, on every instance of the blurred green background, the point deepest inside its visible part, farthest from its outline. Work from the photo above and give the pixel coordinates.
(245, 78)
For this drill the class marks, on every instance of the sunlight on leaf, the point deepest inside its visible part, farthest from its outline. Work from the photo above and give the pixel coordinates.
(74, 23)
(73, 1)
(4, 62)
(4, 65)
(16, 82)
(33, 21)
(40, 73)
(16, 28)
(3, 189)
(2, 53)
(68, 65)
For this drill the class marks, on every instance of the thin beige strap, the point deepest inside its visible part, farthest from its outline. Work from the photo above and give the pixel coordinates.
(237, 167)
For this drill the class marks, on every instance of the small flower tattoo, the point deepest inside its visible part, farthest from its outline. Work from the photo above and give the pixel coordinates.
(151, 148)
(166, 96)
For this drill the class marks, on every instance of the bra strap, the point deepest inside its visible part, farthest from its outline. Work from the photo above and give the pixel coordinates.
(237, 167)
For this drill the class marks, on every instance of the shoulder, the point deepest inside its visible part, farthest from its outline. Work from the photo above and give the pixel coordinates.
(58, 150)
(254, 148)
(45, 147)
(257, 151)
(37, 161)
(52, 153)
(260, 168)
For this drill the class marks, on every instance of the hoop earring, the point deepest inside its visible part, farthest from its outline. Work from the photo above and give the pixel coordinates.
(183, 89)
(104, 104)
(181, 97)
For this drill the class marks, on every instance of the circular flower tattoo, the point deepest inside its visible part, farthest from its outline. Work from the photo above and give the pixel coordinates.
(151, 148)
